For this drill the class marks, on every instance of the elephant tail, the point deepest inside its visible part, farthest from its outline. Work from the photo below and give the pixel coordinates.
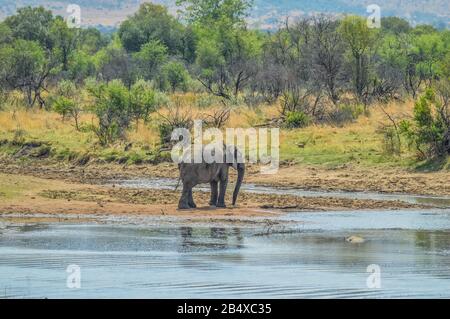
(240, 178)
(178, 183)
(179, 177)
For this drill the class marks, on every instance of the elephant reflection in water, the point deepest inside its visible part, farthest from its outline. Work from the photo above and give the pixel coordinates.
(228, 238)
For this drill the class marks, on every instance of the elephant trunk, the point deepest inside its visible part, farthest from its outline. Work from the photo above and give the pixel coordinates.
(240, 178)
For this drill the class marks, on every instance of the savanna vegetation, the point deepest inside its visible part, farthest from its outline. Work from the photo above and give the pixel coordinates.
(341, 92)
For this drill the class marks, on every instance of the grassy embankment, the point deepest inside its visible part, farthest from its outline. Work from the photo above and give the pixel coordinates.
(359, 143)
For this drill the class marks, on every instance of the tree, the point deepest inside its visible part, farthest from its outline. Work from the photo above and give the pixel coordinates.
(226, 61)
(327, 54)
(151, 22)
(6, 35)
(67, 102)
(210, 12)
(176, 75)
(274, 72)
(114, 63)
(395, 25)
(190, 40)
(428, 49)
(64, 41)
(81, 66)
(297, 47)
(423, 29)
(360, 41)
(402, 52)
(116, 107)
(429, 129)
(149, 59)
(111, 105)
(32, 24)
(92, 40)
(25, 67)
(142, 101)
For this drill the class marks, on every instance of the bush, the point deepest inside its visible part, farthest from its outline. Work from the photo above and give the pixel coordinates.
(67, 102)
(111, 106)
(175, 75)
(3, 98)
(115, 107)
(142, 100)
(296, 119)
(176, 117)
(165, 132)
(345, 113)
(391, 140)
(206, 100)
(429, 129)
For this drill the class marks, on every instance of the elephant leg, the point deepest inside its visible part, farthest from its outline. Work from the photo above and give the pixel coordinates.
(222, 191)
(213, 200)
(191, 199)
(184, 200)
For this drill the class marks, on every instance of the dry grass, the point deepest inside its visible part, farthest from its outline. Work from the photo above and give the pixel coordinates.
(357, 143)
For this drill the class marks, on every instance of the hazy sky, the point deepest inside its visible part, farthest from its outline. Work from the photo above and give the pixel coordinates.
(264, 13)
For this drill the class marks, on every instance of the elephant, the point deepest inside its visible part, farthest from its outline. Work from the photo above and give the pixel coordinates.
(216, 174)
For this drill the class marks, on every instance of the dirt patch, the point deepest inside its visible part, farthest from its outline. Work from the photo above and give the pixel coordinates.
(63, 193)
(105, 194)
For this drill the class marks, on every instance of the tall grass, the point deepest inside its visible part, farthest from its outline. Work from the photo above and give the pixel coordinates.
(355, 143)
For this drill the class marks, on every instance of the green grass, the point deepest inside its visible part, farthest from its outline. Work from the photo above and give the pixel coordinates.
(357, 143)
(333, 147)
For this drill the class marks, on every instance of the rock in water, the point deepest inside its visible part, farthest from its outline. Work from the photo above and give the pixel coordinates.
(355, 239)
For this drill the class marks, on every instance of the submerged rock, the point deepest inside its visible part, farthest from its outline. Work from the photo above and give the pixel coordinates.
(355, 239)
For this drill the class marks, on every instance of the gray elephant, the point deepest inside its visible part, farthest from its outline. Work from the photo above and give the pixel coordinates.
(216, 174)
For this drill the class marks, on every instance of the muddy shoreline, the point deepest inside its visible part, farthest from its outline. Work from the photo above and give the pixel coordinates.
(86, 193)
(345, 178)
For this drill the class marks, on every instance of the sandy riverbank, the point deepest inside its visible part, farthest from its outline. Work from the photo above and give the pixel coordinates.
(345, 178)
(27, 196)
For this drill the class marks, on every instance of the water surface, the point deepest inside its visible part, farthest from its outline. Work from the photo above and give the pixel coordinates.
(311, 259)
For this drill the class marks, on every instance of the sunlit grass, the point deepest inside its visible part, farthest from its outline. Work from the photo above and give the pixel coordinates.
(324, 144)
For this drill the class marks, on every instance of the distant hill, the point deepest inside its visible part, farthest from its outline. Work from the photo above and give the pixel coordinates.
(265, 14)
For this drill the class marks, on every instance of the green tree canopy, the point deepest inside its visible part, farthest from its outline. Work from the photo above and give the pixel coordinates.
(208, 12)
(24, 66)
(150, 58)
(32, 24)
(151, 22)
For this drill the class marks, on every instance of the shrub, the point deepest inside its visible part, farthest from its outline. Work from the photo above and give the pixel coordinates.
(67, 102)
(165, 132)
(345, 113)
(115, 107)
(176, 117)
(429, 129)
(391, 141)
(206, 100)
(296, 119)
(111, 106)
(176, 76)
(3, 98)
(142, 100)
